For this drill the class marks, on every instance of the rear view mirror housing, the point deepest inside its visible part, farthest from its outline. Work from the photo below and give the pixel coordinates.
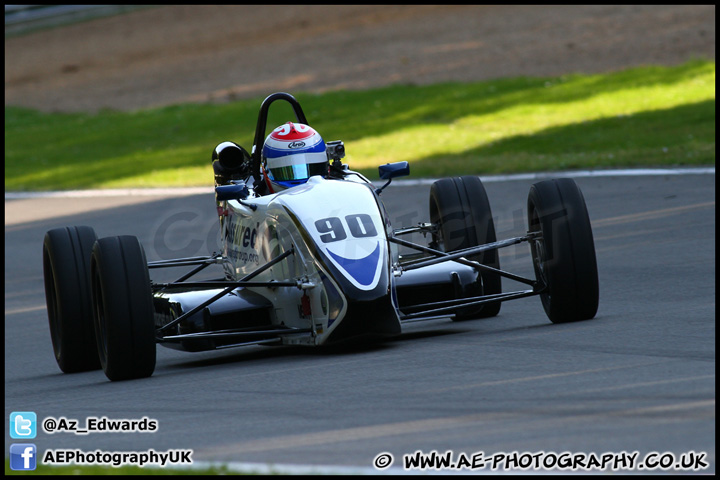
(394, 170)
(390, 171)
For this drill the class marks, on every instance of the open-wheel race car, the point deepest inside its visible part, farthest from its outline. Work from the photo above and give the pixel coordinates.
(309, 257)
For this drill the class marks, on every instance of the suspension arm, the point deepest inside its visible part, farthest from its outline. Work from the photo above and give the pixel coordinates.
(225, 291)
(457, 256)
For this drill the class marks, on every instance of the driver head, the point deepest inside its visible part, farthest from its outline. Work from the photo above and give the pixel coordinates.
(291, 154)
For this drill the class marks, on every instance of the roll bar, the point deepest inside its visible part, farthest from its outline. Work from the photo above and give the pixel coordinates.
(262, 125)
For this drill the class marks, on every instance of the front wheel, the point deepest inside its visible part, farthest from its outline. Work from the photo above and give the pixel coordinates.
(564, 257)
(124, 313)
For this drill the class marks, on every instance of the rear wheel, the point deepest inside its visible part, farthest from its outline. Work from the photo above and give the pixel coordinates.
(564, 259)
(460, 209)
(124, 314)
(66, 273)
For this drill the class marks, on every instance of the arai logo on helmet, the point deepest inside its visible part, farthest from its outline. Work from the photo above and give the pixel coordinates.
(296, 144)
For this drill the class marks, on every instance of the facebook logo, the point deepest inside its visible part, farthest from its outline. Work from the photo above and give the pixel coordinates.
(23, 425)
(22, 456)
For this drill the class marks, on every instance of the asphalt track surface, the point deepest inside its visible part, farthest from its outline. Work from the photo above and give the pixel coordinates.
(640, 377)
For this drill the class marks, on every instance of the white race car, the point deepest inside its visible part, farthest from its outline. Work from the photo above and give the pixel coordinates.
(316, 264)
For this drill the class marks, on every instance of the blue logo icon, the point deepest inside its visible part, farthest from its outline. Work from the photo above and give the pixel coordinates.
(23, 425)
(23, 456)
(361, 269)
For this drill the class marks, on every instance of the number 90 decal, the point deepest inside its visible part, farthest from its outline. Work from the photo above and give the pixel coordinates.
(332, 229)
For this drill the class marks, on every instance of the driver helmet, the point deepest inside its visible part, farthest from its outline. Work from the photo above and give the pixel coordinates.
(292, 153)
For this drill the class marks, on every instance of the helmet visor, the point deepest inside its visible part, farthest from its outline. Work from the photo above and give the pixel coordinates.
(297, 172)
(297, 167)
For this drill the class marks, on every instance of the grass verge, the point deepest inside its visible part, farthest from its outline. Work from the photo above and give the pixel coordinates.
(647, 116)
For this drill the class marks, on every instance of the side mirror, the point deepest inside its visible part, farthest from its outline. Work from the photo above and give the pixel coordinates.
(394, 170)
(390, 171)
(237, 191)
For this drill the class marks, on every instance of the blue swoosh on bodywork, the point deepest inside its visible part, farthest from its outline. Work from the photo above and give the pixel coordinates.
(361, 269)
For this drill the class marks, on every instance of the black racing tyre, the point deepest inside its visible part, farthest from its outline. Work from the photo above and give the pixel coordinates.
(124, 313)
(460, 208)
(565, 257)
(66, 272)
